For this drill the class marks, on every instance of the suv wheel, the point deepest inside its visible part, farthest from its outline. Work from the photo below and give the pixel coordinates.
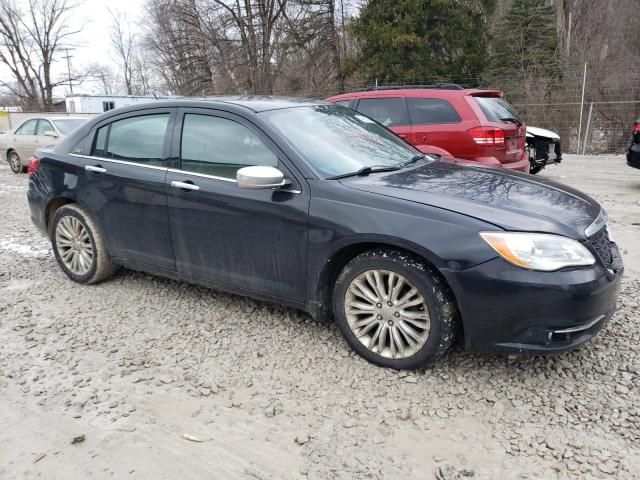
(15, 163)
(394, 310)
(79, 246)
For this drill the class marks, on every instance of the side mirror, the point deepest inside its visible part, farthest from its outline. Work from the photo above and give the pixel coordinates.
(50, 133)
(260, 177)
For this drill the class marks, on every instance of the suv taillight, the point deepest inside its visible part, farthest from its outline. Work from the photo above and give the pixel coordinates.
(489, 136)
(636, 128)
(32, 166)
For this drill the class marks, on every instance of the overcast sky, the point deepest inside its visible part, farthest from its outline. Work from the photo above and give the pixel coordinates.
(92, 45)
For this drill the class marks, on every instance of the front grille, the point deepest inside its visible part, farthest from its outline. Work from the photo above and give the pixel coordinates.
(603, 246)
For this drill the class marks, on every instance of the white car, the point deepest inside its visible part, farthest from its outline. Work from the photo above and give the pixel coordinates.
(19, 144)
(543, 148)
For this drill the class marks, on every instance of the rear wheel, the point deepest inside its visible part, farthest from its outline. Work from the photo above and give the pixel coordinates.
(15, 163)
(79, 246)
(394, 310)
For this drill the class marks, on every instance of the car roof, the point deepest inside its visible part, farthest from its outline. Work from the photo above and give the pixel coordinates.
(254, 103)
(263, 103)
(417, 93)
(56, 117)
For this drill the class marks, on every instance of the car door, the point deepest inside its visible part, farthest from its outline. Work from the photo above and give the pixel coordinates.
(436, 122)
(389, 111)
(250, 239)
(24, 139)
(122, 182)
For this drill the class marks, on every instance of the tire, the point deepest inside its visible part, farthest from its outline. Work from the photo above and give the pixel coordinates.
(14, 162)
(66, 226)
(437, 302)
(533, 169)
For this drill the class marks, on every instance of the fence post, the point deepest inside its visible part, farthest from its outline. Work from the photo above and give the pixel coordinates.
(586, 130)
(584, 82)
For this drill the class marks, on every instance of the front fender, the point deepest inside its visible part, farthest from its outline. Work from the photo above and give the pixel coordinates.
(345, 221)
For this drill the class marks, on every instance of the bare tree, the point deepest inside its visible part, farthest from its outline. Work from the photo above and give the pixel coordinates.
(177, 47)
(245, 36)
(103, 75)
(29, 42)
(123, 42)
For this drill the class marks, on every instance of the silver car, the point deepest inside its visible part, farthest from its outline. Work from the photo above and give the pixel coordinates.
(18, 145)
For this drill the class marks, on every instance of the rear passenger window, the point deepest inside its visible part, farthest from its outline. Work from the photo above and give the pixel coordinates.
(387, 111)
(219, 147)
(100, 148)
(427, 111)
(136, 139)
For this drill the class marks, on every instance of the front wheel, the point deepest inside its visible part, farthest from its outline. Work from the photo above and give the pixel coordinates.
(394, 310)
(533, 169)
(15, 163)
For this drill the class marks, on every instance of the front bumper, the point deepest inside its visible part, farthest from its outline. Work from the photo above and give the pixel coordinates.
(508, 309)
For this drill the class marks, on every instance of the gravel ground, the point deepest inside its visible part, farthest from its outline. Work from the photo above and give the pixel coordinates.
(160, 379)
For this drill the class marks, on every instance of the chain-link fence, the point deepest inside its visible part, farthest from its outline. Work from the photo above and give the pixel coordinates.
(592, 108)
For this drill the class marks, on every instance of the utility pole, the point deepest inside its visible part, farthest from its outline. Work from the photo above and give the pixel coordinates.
(68, 58)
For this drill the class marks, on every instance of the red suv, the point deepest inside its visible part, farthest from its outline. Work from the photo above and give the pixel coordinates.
(448, 120)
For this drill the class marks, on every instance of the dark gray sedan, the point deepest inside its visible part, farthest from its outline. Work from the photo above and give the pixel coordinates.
(320, 208)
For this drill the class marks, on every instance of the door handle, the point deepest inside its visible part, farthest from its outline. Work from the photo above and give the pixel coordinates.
(184, 185)
(92, 168)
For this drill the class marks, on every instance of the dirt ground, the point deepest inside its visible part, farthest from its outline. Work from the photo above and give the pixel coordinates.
(164, 380)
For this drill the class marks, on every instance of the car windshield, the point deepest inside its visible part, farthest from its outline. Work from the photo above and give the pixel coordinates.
(336, 140)
(68, 125)
(497, 109)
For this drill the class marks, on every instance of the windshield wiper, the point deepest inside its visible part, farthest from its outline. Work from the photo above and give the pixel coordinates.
(512, 120)
(366, 171)
(413, 159)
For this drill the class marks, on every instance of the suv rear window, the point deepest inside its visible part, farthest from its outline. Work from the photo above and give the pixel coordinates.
(496, 109)
(428, 111)
(387, 111)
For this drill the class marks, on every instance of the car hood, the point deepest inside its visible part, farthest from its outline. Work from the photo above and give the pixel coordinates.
(541, 132)
(513, 201)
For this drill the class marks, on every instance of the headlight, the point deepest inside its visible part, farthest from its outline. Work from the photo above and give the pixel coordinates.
(539, 251)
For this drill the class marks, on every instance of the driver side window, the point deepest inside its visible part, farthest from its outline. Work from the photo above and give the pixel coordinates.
(219, 147)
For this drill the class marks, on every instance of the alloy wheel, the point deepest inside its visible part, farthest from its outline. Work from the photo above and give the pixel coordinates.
(387, 314)
(15, 163)
(74, 245)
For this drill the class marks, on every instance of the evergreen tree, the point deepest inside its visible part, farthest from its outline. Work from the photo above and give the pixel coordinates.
(525, 49)
(422, 40)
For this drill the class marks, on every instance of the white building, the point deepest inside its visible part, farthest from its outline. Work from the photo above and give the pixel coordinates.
(103, 103)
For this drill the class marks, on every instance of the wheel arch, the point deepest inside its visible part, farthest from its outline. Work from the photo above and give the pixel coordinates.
(52, 206)
(320, 306)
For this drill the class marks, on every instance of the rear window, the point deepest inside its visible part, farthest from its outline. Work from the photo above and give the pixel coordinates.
(497, 109)
(135, 139)
(387, 111)
(344, 103)
(68, 125)
(427, 111)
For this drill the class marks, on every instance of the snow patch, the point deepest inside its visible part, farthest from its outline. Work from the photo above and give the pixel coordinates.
(38, 250)
(12, 188)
